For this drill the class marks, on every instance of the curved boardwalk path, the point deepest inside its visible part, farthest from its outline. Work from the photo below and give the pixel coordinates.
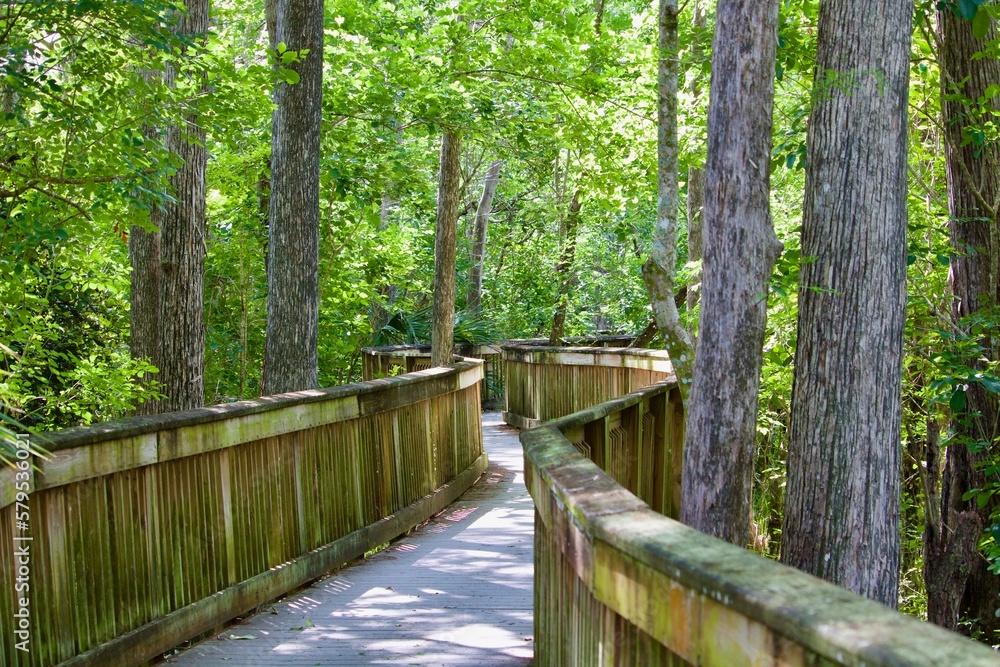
(456, 591)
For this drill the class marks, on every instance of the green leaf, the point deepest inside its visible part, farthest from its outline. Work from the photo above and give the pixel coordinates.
(967, 8)
(968, 495)
(983, 498)
(992, 91)
(958, 401)
(981, 23)
(991, 385)
(282, 47)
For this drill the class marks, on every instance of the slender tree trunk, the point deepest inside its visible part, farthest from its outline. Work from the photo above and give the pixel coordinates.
(957, 578)
(449, 180)
(696, 175)
(842, 508)
(290, 350)
(271, 22)
(144, 279)
(475, 299)
(144, 309)
(740, 251)
(658, 272)
(564, 269)
(646, 336)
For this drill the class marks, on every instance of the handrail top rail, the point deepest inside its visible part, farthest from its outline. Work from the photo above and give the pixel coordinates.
(585, 349)
(602, 410)
(417, 349)
(79, 436)
(634, 357)
(424, 349)
(822, 617)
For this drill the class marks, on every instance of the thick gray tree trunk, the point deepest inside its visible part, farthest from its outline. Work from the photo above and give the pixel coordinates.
(658, 272)
(564, 269)
(842, 507)
(957, 578)
(169, 265)
(449, 182)
(740, 250)
(290, 351)
(474, 300)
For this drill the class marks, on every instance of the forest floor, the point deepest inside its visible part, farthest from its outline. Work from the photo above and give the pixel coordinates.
(456, 591)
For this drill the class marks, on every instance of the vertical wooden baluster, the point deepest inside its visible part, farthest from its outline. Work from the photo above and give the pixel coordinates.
(226, 514)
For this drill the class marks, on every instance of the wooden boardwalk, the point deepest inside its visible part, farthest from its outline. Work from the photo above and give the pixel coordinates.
(456, 591)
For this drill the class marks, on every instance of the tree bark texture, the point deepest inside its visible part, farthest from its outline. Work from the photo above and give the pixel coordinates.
(290, 350)
(564, 269)
(271, 22)
(951, 535)
(144, 307)
(658, 272)
(449, 181)
(474, 300)
(168, 265)
(740, 251)
(957, 578)
(842, 507)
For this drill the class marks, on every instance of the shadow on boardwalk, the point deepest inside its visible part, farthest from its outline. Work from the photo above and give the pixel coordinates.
(456, 591)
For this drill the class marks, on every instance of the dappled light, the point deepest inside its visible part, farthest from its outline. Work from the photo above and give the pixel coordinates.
(456, 591)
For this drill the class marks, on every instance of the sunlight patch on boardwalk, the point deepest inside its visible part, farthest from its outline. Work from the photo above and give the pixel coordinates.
(457, 591)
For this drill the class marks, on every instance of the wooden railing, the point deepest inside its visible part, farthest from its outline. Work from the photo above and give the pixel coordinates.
(151, 531)
(617, 583)
(543, 383)
(391, 360)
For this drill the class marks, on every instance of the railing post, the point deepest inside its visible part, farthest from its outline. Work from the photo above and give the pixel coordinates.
(596, 433)
(225, 482)
(674, 448)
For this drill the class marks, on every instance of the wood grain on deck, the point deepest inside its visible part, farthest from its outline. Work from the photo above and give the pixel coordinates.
(457, 591)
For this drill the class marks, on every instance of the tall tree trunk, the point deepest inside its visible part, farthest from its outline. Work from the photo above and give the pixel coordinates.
(167, 317)
(290, 350)
(958, 581)
(842, 508)
(475, 299)
(658, 272)
(449, 181)
(564, 269)
(696, 173)
(740, 251)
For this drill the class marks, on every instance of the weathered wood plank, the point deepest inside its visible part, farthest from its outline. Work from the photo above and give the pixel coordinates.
(654, 591)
